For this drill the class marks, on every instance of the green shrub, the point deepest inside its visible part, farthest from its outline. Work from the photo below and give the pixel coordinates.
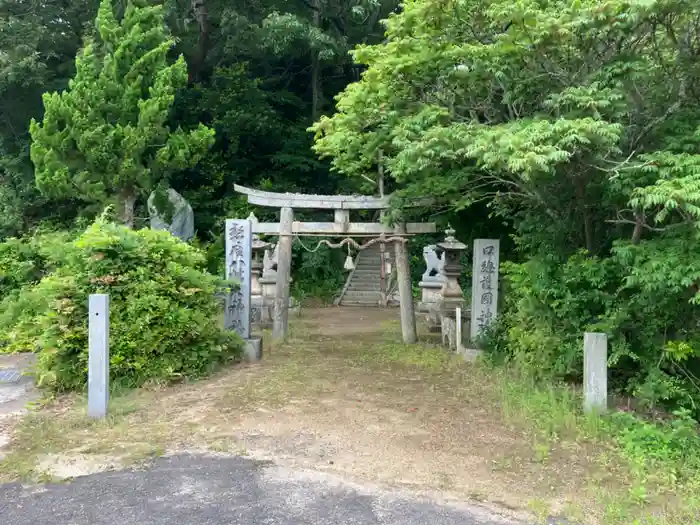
(26, 260)
(548, 306)
(668, 449)
(318, 274)
(163, 312)
(643, 296)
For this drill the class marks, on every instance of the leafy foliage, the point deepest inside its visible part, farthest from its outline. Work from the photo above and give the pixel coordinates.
(163, 313)
(665, 452)
(649, 316)
(319, 273)
(37, 51)
(25, 261)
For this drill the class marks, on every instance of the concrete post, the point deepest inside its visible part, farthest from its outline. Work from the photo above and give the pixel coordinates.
(595, 372)
(403, 275)
(280, 324)
(98, 355)
(382, 275)
(458, 328)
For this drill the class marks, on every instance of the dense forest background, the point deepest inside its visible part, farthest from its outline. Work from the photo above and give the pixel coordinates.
(567, 129)
(260, 73)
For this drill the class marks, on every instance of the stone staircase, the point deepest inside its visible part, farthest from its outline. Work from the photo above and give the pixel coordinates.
(362, 286)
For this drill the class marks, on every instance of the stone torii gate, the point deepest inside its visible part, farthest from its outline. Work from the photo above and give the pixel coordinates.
(341, 205)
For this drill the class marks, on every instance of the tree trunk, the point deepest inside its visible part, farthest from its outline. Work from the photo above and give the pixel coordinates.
(128, 198)
(316, 89)
(201, 14)
(638, 225)
(587, 223)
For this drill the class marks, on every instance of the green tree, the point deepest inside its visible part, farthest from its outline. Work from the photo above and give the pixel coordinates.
(107, 136)
(38, 44)
(256, 89)
(541, 109)
(577, 122)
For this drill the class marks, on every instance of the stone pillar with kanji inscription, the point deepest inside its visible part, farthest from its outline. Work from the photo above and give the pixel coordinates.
(238, 267)
(484, 285)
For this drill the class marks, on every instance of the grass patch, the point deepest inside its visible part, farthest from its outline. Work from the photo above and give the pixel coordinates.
(648, 471)
(425, 357)
(63, 426)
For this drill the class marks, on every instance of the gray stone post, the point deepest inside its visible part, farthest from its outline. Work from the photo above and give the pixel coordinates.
(280, 324)
(98, 355)
(403, 275)
(239, 242)
(484, 285)
(595, 372)
(458, 328)
(238, 266)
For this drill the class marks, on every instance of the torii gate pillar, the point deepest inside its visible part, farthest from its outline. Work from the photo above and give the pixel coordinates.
(280, 321)
(403, 275)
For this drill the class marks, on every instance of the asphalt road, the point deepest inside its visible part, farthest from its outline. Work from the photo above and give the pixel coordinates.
(205, 490)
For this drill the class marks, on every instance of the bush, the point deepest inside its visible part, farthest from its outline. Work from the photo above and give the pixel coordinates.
(26, 260)
(663, 449)
(642, 296)
(548, 306)
(318, 274)
(163, 313)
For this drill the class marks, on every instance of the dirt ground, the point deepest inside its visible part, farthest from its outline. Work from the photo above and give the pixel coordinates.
(343, 396)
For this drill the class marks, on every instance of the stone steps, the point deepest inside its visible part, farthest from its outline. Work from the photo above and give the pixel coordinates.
(361, 294)
(363, 287)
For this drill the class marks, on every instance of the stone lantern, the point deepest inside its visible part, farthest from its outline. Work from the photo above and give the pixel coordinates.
(452, 250)
(256, 266)
(451, 296)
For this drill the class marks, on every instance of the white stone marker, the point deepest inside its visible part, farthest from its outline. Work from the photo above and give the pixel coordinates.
(595, 372)
(484, 284)
(239, 241)
(458, 329)
(98, 355)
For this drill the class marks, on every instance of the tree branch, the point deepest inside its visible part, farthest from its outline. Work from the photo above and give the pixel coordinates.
(670, 111)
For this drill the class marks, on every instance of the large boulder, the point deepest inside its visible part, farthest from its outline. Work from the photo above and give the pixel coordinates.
(181, 223)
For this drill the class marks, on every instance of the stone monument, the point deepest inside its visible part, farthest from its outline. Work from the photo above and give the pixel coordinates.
(181, 224)
(484, 285)
(238, 267)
